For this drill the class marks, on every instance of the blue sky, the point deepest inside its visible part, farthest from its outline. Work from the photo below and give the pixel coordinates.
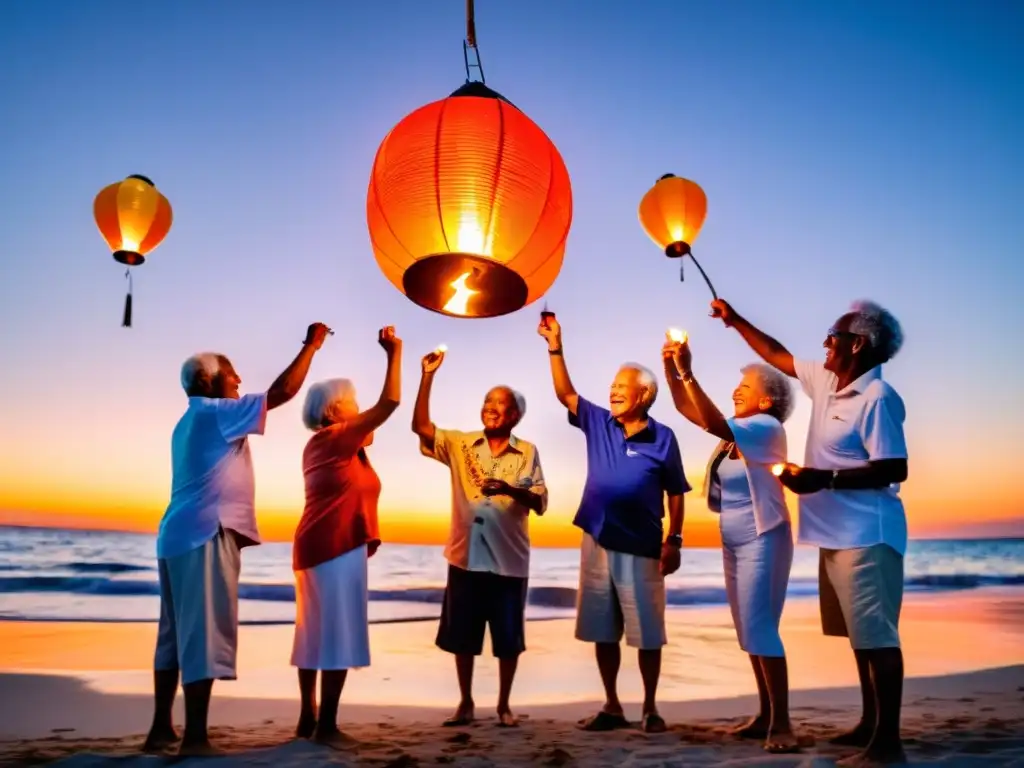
(848, 149)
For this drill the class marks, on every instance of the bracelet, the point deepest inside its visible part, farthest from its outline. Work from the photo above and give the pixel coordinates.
(832, 480)
(555, 351)
(686, 378)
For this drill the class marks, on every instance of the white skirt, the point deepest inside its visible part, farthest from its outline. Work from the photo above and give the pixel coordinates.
(331, 625)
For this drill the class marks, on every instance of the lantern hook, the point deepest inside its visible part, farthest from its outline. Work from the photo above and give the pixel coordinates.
(470, 42)
(702, 274)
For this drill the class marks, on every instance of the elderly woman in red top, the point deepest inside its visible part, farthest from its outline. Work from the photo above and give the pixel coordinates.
(335, 537)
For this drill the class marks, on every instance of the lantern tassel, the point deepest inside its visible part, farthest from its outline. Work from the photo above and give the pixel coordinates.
(127, 321)
(702, 274)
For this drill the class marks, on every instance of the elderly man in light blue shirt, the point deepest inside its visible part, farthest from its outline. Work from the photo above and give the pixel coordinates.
(856, 457)
(210, 518)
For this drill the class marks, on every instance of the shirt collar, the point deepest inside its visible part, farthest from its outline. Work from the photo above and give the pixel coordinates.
(479, 437)
(861, 383)
(647, 434)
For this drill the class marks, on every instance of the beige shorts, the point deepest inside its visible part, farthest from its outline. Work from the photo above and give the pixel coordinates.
(861, 593)
(198, 631)
(619, 593)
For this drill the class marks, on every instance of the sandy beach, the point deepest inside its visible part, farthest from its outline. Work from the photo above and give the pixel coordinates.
(79, 694)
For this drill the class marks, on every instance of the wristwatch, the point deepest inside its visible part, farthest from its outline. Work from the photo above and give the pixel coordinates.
(675, 540)
(832, 480)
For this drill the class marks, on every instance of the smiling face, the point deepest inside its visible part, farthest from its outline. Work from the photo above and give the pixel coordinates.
(225, 384)
(841, 346)
(749, 398)
(499, 413)
(344, 409)
(628, 397)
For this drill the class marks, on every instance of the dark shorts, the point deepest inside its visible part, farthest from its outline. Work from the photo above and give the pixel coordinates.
(475, 599)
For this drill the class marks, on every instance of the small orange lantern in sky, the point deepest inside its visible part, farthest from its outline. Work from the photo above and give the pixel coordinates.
(672, 214)
(469, 203)
(133, 218)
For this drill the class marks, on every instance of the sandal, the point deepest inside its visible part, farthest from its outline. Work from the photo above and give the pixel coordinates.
(604, 721)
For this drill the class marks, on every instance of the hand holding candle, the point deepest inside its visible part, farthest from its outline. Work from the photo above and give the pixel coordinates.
(677, 336)
(433, 359)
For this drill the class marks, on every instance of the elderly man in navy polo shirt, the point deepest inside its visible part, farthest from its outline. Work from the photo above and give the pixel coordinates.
(632, 464)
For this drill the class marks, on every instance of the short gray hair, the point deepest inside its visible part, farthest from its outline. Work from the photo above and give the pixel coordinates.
(517, 398)
(207, 363)
(322, 397)
(645, 376)
(878, 326)
(776, 385)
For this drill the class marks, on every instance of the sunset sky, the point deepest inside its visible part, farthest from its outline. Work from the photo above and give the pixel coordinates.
(848, 149)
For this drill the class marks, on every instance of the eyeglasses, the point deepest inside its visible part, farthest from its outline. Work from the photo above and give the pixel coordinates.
(835, 333)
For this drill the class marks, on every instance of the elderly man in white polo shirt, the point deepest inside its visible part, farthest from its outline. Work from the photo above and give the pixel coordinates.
(856, 457)
(210, 518)
(496, 482)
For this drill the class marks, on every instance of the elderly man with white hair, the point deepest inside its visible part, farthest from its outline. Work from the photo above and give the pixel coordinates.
(633, 464)
(210, 518)
(855, 459)
(335, 537)
(497, 481)
(757, 538)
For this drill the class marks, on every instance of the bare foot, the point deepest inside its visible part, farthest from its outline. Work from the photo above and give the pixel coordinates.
(782, 742)
(464, 715)
(859, 736)
(755, 728)
(333, 738)
(198, 749)
(306, 726)
(160, 738)
(875, 755)
(507, 720)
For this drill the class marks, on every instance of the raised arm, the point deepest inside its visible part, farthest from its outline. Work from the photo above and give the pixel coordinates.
(288, 384)
(708, 417)
(391, 392)
(771, 351)
(675, 386)
(421, 423)
(564, 390)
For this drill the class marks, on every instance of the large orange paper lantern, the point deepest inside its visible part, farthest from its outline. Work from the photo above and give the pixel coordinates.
(133, 218)
(469, 206)
(672, 214)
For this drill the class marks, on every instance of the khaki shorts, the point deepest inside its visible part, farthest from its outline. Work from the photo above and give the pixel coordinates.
(619, 593)
(861, 593)
(198, 630)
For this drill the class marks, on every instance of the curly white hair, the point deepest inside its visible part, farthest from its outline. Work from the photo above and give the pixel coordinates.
(776, 385)
(878, 326)
(204, 362)
(324, 396)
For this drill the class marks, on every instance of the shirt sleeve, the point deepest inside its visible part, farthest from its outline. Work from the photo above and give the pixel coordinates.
(813, 378)
(882, 426)
(587, 415)
(444, 440)
(533, 480)
(760, 438)
(673, 478)
(242, 417)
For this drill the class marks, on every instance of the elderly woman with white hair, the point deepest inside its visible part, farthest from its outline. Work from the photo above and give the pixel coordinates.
(855, 459)
(334, 539)
(757, 538)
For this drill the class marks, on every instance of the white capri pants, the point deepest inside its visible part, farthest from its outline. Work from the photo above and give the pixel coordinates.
(332, 629)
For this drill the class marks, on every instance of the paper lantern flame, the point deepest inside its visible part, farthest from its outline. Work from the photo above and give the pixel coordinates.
(672, 213)
(469, 206)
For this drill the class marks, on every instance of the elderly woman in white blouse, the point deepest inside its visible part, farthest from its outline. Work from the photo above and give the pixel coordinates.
(757, 539)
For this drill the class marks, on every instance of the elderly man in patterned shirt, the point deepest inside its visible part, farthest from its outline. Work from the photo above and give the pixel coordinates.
(496, 482)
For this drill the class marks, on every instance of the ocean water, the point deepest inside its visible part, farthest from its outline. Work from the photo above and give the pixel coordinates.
(62, 575)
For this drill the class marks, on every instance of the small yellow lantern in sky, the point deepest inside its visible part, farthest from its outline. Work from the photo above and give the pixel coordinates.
(672, 214)
(133, 218)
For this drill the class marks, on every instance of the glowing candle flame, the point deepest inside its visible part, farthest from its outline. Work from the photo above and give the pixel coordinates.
(458, 304)
(674, 334)
(778, 469)
(441, 349)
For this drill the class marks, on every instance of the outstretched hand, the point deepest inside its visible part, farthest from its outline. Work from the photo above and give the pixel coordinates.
(432, 360)
(389, 340)
(315, 335)
(551, 330)
(724, 312)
